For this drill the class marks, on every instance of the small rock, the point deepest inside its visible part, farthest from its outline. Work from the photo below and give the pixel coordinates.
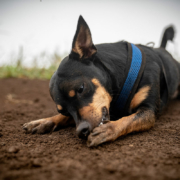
(169, 162)
(2, 143)
(36, 163)
(36, 100)
(13, 149)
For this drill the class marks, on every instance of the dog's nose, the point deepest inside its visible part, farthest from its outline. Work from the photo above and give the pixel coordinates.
(83, 130)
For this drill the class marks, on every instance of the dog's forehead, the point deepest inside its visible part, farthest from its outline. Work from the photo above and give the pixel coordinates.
(69, 66)
(77, 68)
(72, 83)
(73, 73)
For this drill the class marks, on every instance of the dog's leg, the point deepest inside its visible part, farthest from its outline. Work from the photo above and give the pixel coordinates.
(46, 125)
(140, 121)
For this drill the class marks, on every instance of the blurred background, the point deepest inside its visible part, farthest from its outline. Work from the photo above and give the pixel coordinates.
(39, 33)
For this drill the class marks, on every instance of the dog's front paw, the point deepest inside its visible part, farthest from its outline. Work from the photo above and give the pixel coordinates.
(101, 134)
(39, 126)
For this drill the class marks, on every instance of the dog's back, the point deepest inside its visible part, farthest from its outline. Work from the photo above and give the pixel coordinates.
(114, 57)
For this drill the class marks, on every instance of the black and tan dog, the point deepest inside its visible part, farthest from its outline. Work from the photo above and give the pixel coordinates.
(87, 88)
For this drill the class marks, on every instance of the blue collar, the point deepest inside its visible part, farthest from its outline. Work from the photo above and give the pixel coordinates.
(132, 79)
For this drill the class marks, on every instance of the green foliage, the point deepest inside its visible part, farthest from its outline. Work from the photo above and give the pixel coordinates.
(21, 72)
(17, 70)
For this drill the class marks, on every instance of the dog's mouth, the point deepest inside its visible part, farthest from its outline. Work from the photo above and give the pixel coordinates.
(105, 116)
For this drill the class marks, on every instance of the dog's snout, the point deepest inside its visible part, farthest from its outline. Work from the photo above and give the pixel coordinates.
(83, 130)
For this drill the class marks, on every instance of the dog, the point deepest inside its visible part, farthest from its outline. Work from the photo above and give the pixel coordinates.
(110, 90)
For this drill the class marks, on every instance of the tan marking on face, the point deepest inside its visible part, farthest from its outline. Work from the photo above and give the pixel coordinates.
(59, 107)
(139, 97)
(93, 112)
(72, 93)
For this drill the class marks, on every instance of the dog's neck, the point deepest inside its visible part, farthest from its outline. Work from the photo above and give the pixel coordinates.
(121, 82)
(114, 64)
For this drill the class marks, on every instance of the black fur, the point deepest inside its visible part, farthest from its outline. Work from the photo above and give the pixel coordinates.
(168, 35)
(161, 73)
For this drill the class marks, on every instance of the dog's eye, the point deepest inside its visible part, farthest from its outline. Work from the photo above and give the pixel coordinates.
(80, 90)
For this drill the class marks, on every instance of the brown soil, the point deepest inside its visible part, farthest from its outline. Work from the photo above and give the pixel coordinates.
(154, 154)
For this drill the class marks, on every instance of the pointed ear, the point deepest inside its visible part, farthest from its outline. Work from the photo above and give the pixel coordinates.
(82, 43)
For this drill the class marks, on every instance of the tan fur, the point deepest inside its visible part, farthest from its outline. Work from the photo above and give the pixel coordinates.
(139, 97)
(58, 119)
(134, 123)
(77, 50)
(114, 129)
(93, 112)
(59, 107)
(176, 93)
(50, 123)
(174, 96)
(72, 93)
(78, 47)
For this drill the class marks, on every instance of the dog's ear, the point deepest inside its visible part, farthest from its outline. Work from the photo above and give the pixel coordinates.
(82, 43)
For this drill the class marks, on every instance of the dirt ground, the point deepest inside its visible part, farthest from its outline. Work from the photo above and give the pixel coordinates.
(62, 155)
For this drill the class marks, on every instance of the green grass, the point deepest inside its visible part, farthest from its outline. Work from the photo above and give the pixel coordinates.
(17, 70)
(22, 72)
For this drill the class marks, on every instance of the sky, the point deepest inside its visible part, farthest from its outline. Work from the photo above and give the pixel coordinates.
(42, 27)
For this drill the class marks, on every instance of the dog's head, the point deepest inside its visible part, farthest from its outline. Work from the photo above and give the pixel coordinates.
(80, 87)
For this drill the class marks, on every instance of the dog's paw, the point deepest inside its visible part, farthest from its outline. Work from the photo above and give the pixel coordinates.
(101, 134)
(39, 126)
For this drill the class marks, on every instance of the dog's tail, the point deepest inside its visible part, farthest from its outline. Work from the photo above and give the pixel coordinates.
(169, 33)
